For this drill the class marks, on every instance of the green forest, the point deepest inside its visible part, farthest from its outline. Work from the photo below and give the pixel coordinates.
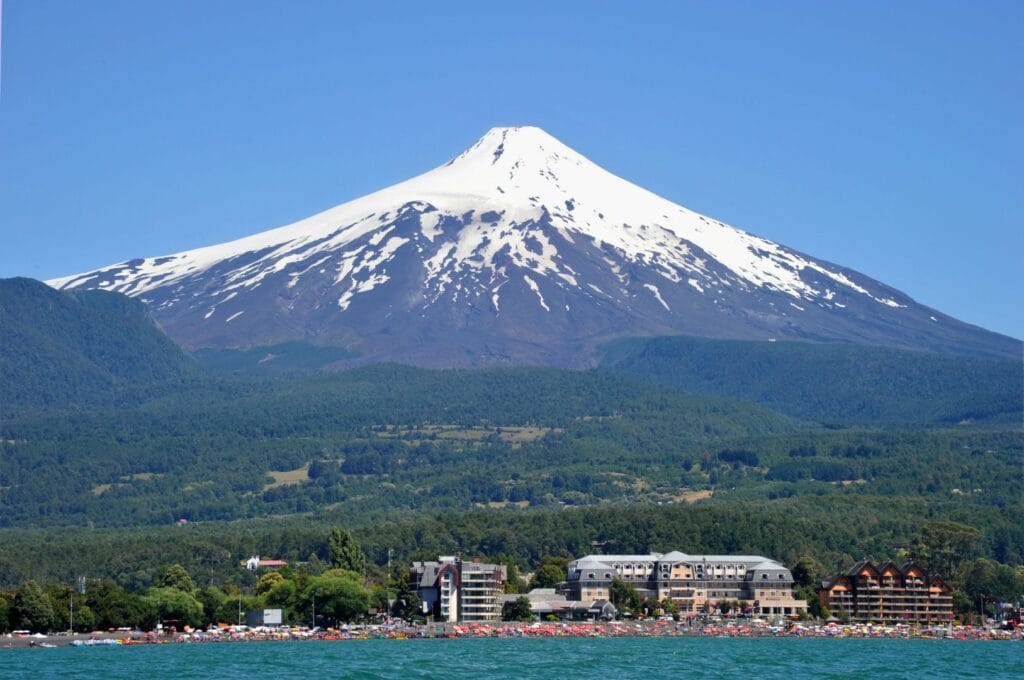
(120, 454)
(380, 441)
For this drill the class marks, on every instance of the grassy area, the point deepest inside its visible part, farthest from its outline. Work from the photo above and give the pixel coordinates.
(287, 477)
(512, 434)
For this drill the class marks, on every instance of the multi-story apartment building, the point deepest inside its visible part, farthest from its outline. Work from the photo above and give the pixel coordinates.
(453, 589)
(695, 583)
(887, 593)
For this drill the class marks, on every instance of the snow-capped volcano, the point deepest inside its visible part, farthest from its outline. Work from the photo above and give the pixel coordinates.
(517, 250)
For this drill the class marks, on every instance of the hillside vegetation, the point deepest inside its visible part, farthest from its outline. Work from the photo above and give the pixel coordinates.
(842, 530)
(373, 439)
(80, 349)
(831, 383)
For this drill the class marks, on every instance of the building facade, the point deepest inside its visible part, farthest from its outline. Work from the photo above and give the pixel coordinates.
(888, 593)
(695, 583)
(263, 617)
(452, 589)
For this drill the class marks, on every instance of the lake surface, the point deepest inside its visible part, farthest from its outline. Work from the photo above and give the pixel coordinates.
(529, 658)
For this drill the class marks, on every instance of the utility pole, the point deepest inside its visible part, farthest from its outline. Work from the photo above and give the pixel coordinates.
(79, 587)
(387, 584)
(314, 610)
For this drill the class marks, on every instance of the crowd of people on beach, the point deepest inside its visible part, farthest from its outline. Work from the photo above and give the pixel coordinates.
(400, 630)
(756, 628)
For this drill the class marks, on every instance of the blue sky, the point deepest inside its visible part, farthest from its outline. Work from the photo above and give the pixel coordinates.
(886, 137)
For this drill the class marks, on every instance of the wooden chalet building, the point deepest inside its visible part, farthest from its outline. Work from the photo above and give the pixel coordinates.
(888, 593)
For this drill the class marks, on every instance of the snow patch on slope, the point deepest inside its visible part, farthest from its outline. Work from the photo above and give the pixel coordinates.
(536, 289)
(657, 293)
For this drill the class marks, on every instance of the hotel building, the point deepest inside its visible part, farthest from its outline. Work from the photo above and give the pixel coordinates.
(695, 583)
(887, 593)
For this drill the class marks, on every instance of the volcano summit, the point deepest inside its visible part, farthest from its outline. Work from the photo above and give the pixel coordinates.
(518, 250)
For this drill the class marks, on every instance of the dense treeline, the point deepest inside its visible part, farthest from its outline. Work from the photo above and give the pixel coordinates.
(830, 383)
(341, 589)
(843, 530)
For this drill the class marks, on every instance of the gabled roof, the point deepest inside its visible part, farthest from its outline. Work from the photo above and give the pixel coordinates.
(889, 564)
(861, 566)
(675, 556)
(914, 565)
(591, 562)
(828, 583)
(429, 573)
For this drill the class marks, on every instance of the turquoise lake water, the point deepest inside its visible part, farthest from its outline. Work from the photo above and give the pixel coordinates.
(594, 658)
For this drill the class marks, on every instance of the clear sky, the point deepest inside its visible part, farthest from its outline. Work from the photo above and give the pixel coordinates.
(883, 136)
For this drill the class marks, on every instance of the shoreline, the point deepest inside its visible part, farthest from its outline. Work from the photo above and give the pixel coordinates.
(506, 630)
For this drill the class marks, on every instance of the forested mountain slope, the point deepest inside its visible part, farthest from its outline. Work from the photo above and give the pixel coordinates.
(79, 349)
(831, 382)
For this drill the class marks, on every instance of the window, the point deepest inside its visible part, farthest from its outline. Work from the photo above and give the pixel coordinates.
(590, 575)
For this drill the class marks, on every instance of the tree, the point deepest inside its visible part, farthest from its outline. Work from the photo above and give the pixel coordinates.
(515, 583)
(211, 597)
(175, 576)
(989, 581)
(962, 604)
(32, 608)
(175, 607)
(345, 552)
(625, 597)
(548, 576)
(807, 571)
(267, 582)
(943, 545)
(518, 609)
(6, 609)
(339, 595)
(407, 602)
(115, 607)
(282, 594)
(61, 598)
(236, 604)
